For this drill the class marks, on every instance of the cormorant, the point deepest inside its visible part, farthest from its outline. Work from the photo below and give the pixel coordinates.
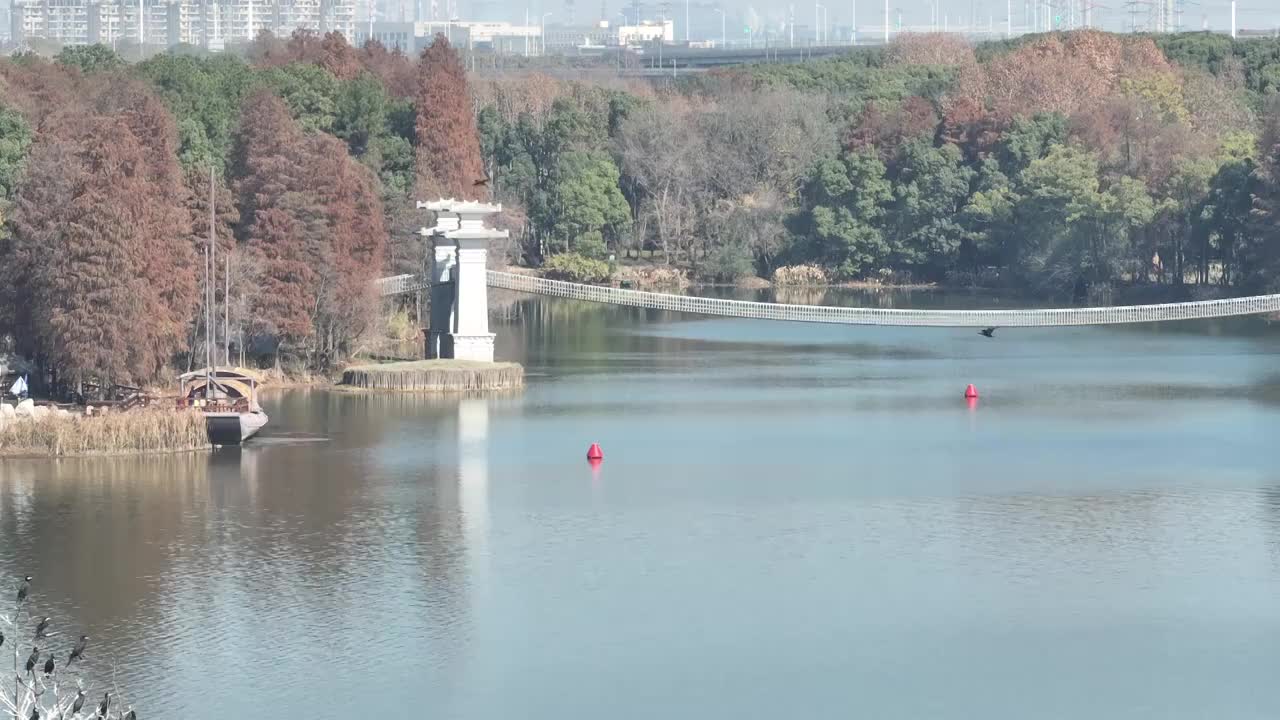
(24, 589)
(35, 714)
(106, 703)
(131, 715)
(32, 659)
(79, 703)
(77, 652)
(48, 665)
(42, 629)
(989, 332)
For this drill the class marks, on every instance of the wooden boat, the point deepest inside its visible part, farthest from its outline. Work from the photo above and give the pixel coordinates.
(228, 398)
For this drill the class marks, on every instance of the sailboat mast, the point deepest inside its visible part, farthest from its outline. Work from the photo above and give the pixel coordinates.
(213, 262)
(226, 310)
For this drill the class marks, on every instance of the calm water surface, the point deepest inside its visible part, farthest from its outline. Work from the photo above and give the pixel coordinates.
(791, 521)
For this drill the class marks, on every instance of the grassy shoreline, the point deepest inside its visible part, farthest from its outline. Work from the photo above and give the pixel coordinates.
(443, 376)
(126, 433)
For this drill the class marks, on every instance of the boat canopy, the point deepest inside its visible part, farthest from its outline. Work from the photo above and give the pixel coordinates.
(235, 381)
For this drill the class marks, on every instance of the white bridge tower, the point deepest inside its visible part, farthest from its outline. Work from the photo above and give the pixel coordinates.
(459, 320)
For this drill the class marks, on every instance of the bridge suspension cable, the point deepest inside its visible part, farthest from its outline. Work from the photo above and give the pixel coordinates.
(1254, 305)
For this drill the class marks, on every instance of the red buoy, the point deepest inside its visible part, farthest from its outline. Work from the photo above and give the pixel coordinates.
(594, 452)
(971, 391)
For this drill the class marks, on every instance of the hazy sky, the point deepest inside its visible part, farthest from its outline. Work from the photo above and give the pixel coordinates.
(916, 14)
(1116, 15)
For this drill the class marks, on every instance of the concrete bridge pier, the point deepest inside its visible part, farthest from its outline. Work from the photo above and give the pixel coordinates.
(459, 318)
(444, 261)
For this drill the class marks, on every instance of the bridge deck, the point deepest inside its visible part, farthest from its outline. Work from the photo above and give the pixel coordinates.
(1258, 304)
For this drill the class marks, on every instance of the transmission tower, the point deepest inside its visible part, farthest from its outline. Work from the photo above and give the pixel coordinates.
(1146, 15)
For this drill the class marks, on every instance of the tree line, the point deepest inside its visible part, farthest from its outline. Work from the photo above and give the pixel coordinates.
(1066, 165)
(116, 177)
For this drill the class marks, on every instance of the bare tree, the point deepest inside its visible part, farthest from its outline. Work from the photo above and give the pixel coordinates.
(768, 138)
(661, 152)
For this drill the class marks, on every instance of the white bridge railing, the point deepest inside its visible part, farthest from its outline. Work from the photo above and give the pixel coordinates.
(1255, 305)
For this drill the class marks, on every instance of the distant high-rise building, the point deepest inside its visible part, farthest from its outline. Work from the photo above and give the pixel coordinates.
(67, 21)
(207, 23)
(25, 21)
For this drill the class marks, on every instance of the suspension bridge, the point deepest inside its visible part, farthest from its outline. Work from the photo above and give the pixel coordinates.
(1047, 317)
(459, 278)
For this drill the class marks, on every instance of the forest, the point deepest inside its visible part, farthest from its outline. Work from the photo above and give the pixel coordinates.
(1067, 166)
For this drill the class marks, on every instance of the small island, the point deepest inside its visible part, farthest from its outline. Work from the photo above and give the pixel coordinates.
(446, 375)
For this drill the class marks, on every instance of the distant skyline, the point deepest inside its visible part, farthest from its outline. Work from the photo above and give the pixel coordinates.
(1116, 16)
(906, 15)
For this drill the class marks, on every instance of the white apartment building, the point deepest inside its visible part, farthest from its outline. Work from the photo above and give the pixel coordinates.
(67, 20)
(25, 21)
(208, 23)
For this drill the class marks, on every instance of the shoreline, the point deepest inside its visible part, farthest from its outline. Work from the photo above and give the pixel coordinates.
(432, 376)
(675, 279)
(136, 432)
(113, 454)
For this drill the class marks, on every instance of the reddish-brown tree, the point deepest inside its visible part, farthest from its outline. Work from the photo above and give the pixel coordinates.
(1064, 73)
(171, 260)
(267, 50)
(93, 242)
(884, 131)
(355, 253)
(448, 148)
(38, 88)
(263, 160)
(931, 49)
(312, 219)
(338, 57)
(392, 67)
(274, 218)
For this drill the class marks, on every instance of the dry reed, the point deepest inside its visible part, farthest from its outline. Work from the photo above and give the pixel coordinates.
(800, 275)
(434, 376)
(138, 431)
(650, 276)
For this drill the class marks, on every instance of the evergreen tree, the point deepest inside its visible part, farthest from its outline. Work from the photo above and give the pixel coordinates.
(847, 197)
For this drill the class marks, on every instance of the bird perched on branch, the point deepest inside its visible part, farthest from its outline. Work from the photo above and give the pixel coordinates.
(102, 706)
(131, 715)
(35, 714)
(77, 652)
(78, 704)
(48, 665)
(42, 628)
(32, 659)
(23, 589)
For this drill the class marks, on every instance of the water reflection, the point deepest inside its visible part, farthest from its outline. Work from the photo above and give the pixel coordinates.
(299, 556)
(473, 480)
(786, 511)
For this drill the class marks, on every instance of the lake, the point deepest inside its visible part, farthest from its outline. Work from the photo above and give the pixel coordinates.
(790, 521)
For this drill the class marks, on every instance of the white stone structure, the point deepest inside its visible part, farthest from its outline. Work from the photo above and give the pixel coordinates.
(459, 326)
